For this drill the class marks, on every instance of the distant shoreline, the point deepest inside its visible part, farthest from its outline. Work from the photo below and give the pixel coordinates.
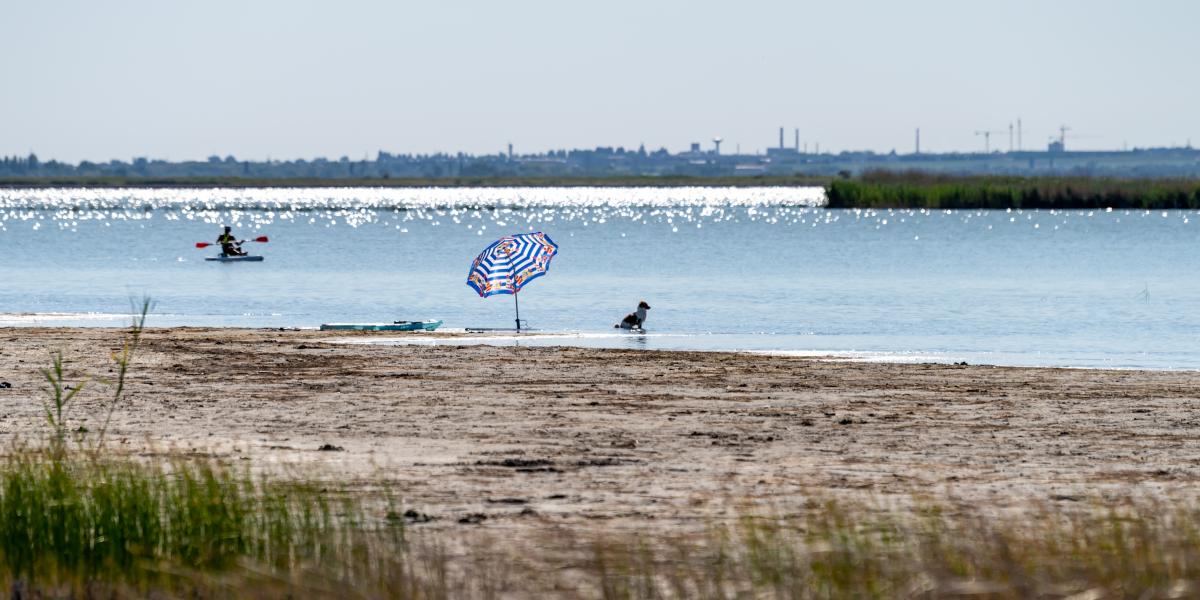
(871, 190)
(672, 181)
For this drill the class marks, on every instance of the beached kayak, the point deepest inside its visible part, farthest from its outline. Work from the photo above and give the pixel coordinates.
(397, 326)
(235, 258)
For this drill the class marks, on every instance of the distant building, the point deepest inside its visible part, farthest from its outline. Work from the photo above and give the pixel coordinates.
(607, 161)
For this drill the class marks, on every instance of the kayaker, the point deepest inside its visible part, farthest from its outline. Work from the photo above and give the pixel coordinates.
(229, 244)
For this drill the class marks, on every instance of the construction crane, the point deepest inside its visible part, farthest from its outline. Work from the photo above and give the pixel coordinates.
(1062, 137)
(987, 140)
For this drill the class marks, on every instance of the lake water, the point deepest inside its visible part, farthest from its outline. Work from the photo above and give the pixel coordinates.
(730, 269)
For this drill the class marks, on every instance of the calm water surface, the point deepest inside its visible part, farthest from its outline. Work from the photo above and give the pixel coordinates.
(748, 269)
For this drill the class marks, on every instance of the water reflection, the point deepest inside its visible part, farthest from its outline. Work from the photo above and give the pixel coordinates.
(762, 269)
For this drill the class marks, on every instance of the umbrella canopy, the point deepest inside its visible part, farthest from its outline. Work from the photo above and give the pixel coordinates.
(510, 262)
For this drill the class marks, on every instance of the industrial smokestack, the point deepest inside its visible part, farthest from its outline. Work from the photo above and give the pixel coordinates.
(797, 140)
(781, 138)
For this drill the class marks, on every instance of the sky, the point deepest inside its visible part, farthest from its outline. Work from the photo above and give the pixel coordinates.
(286, 79)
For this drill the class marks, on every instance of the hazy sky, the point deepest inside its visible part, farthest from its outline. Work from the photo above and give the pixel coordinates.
(296, 79)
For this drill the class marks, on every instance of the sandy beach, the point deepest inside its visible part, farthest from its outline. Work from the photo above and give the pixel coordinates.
(629, 437)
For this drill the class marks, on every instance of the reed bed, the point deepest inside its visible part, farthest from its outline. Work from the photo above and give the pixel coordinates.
(72, 521)
(74, 526)
(834, 551)
(921, 190)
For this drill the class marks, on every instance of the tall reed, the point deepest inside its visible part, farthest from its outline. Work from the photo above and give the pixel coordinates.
(922, 190)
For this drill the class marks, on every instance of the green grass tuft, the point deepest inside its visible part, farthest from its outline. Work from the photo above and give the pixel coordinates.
(75, 519)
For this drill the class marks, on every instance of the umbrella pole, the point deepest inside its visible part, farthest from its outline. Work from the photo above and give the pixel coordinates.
(517, 305)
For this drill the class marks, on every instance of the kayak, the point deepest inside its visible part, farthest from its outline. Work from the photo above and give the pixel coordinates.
(429, 325)
(224, 258)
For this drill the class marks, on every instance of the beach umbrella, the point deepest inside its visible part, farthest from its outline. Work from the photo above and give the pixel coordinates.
(510, 263)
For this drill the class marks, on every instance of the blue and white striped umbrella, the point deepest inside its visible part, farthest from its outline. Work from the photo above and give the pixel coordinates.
(511, 262)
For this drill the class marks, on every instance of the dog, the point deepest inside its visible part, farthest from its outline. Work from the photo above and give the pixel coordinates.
(636, 320)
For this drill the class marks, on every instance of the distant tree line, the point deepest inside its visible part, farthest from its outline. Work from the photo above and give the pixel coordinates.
(601, 161)
(607, 161)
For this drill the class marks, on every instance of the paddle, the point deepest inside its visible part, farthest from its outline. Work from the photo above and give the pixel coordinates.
(207, 244)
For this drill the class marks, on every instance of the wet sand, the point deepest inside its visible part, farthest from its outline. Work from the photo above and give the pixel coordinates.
(628, 437)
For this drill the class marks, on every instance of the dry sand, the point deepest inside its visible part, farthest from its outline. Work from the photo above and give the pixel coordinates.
(628, 437)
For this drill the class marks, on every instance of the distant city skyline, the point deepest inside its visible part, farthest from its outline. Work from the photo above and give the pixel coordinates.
(288, 80)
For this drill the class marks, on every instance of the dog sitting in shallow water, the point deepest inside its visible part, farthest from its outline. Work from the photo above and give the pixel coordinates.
(635, 320)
